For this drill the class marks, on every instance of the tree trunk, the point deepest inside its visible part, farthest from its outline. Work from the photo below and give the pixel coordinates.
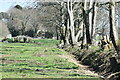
(62, 29)
(95, 9)
(113, 28)
(71, 17)
(79, 32)
(86, 23)
(57, 33)
(67, 33)
(92, 18)
(91, 14)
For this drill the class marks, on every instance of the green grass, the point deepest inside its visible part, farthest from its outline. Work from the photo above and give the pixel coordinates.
(21, 60)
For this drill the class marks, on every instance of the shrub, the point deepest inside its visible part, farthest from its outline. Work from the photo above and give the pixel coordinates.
(8, 39)
(48, 34)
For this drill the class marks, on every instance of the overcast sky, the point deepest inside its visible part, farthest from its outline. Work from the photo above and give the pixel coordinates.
(6, 4)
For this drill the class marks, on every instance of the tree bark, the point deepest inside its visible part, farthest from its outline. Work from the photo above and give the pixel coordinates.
(95, 9)
(62, 28)
(79, 32)
(113, 28)
(92, 18)
(67, 33)
(86, 23)
(71, 17)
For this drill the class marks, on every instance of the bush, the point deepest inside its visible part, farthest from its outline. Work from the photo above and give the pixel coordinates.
(30, 33)
(48, 34)
(8, 39)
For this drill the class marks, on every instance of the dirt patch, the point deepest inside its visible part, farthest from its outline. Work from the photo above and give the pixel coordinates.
(39, 54)
(82, 68)
(12, 61)
(5, 55)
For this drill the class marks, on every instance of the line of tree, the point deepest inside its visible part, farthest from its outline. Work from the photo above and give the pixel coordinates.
(79, 23)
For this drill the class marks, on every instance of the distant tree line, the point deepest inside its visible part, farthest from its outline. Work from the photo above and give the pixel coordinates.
(26, 21)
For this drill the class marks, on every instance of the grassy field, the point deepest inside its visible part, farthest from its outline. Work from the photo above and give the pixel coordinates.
(36, 60)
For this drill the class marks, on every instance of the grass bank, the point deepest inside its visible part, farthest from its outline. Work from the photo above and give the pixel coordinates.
(37, 60)
(104, 62)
